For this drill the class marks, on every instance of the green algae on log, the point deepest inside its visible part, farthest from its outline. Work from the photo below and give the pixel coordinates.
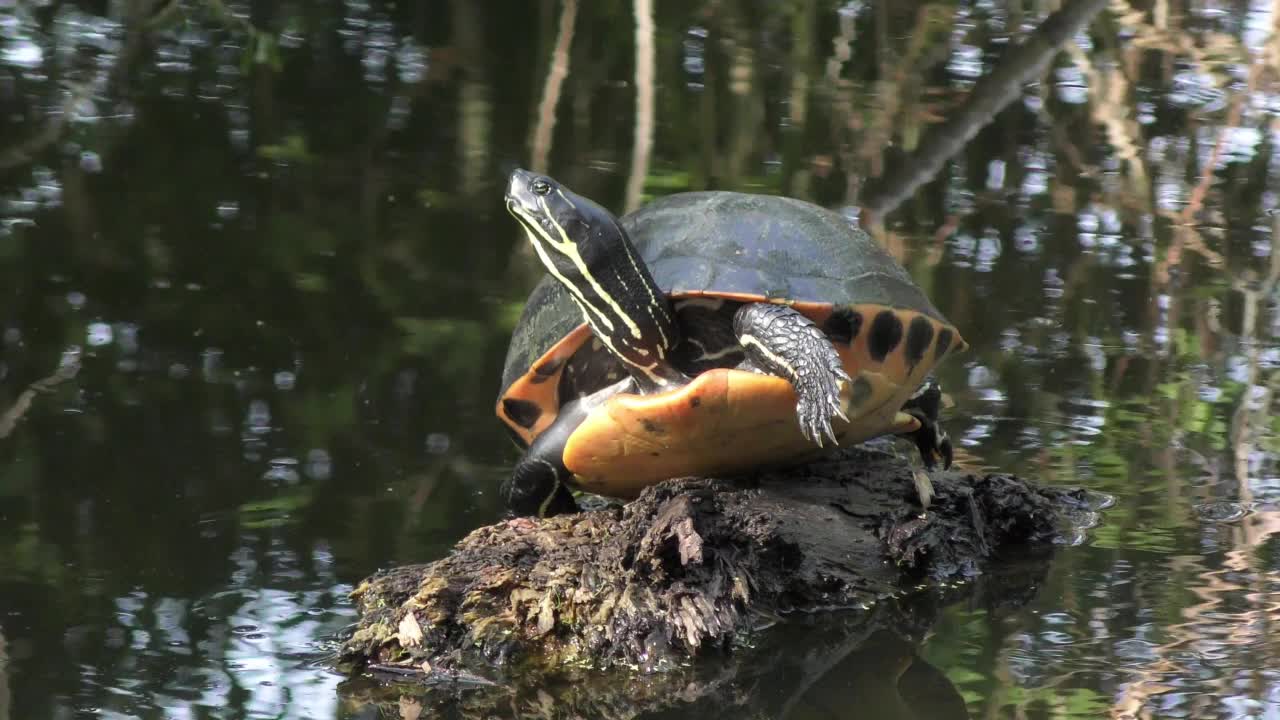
(691, 566)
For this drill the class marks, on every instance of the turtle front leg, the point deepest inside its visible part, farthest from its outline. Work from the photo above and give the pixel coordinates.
(930, 438)
(782, 342)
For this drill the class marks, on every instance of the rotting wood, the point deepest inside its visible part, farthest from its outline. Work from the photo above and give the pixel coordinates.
(692, 567)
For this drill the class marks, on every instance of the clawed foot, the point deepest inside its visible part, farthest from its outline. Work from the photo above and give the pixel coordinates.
(932, 441)
(818, 400)
(780, 341)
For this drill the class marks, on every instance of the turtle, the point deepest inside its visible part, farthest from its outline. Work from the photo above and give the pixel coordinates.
(707, 333)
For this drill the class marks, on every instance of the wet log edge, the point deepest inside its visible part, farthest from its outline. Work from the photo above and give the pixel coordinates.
(693, 565)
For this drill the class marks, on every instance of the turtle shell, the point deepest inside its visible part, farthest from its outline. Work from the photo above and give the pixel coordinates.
(742, 248)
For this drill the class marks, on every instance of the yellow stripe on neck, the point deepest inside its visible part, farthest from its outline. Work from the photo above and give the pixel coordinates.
(569, 249)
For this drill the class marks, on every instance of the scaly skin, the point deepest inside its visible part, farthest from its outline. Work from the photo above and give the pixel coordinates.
(782, 342)
(933, 442)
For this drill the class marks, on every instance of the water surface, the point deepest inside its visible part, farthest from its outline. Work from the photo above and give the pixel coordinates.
(269, 236)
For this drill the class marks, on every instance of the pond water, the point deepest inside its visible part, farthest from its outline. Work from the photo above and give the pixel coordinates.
(254, 258)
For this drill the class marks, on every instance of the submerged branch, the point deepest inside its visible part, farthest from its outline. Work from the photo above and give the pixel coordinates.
(26, 151)
(1235, 115)
(989, 96)
(642, 147)
(10, 418)
(1109, 90)
(540, 145)
(6, 699)
(1253, 412)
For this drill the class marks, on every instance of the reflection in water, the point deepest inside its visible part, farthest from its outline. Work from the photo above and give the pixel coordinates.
(1128, 657)
(993, 91)
(557, 70)
(889, 681)
(829, 665)
(642, 145)
(274, 232)
(66, 372)
(255, 642)
(6, 700)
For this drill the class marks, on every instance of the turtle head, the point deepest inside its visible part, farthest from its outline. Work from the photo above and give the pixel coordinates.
(586, 250)
(564, 228)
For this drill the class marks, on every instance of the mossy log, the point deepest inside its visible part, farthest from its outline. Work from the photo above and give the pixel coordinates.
(692, 566)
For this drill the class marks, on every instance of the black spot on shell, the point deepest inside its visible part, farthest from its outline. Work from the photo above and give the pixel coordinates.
(919, 335)
(843, 325)
(886, 333)
(695, 401)
(652, 427)
(859, 393)
(944, 342)
(522, 412)
(544, 372)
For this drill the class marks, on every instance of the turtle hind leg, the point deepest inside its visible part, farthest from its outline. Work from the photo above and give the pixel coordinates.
(539, 482)
(780, 341)
(932, 441)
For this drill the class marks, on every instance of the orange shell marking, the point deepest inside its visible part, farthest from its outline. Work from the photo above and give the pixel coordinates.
(540, 386)
(725, 421)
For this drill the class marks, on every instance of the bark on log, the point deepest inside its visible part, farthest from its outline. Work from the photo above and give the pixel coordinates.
(692, 567)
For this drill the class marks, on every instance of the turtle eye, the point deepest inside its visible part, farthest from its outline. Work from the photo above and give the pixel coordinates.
(540, 187)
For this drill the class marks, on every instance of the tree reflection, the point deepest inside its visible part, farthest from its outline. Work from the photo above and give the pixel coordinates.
(275, 230)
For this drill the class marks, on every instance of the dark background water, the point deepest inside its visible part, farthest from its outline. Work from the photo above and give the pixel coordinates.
(270, 237)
